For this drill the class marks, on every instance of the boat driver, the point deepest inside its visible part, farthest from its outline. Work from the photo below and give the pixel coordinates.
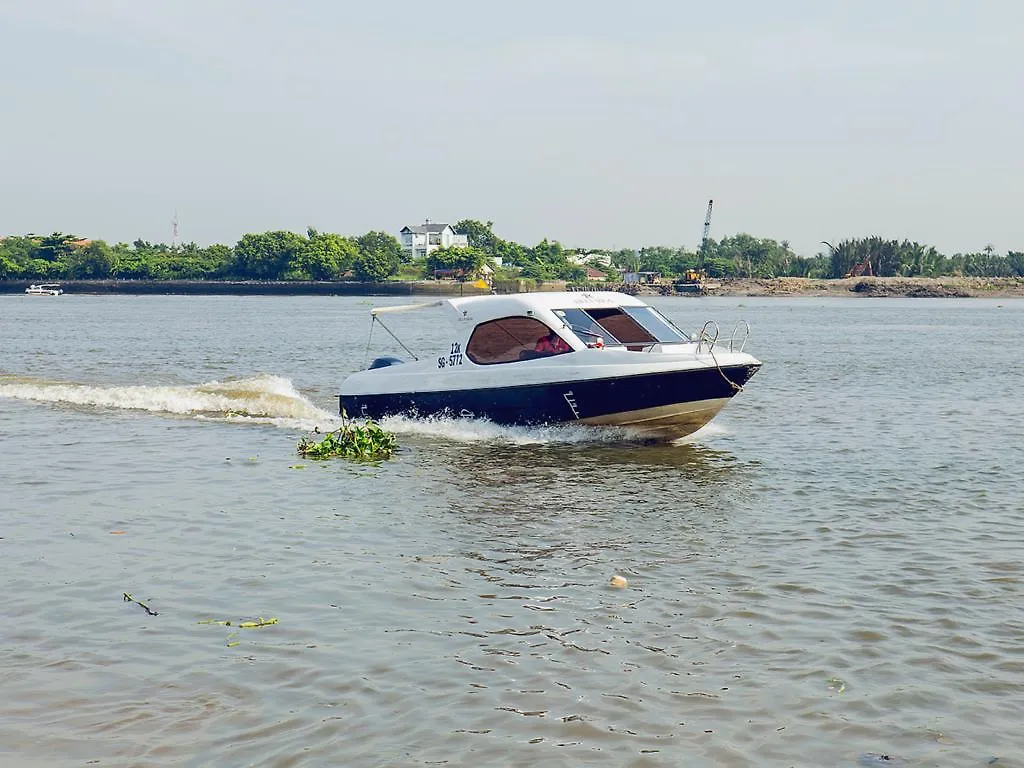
(552, 344)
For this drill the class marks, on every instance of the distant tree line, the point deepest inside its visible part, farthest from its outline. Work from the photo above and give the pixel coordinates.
(743, 255)
(266, 256)
(739, 255)
(378, 256)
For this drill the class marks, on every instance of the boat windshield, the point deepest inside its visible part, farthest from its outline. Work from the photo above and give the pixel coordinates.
(657, 324)
(618, 326)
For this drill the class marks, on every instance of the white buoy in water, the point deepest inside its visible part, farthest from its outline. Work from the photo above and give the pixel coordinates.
(617, 581)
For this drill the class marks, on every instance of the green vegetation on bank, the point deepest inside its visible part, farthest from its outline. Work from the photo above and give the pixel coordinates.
(378, 256)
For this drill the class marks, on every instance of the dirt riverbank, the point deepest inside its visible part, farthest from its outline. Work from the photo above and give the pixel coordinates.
(916, 287)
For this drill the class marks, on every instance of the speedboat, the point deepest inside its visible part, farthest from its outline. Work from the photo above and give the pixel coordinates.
(44, 289)
(600, 358)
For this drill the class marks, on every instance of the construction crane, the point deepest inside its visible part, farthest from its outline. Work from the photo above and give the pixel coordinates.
(704, 239)
(693, 280)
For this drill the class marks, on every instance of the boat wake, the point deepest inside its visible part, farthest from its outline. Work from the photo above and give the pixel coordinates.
(275, 401)
(262, 399)
(484, 431)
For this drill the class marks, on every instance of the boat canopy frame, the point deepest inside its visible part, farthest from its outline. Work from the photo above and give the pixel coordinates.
(375, 320)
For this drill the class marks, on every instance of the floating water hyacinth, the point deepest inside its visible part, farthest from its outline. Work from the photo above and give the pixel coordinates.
(359, 442)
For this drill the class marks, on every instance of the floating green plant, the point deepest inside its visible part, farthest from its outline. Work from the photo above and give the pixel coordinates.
(360, 442)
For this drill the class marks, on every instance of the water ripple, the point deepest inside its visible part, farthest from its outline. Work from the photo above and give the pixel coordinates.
(830, 577)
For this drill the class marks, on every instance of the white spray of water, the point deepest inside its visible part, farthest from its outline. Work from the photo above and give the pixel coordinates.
(484, 431)
(262, 399)
(274, 400)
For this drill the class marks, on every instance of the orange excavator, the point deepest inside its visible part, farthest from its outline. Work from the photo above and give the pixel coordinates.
(863, 269)
(860, 269)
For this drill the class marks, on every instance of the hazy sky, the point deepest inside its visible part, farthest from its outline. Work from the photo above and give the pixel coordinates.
(600, 124)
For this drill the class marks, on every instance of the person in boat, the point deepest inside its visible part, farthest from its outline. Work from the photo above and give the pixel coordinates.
(552, 344)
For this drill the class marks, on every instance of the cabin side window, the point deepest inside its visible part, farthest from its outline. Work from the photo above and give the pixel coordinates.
(511, 339)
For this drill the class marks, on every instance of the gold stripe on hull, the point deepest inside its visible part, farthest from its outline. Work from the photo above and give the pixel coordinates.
(665, 422)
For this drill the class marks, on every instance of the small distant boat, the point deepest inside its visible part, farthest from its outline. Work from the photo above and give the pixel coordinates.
(44, 289)
(598, 358)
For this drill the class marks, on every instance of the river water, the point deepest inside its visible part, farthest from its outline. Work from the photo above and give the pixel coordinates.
(829, 575)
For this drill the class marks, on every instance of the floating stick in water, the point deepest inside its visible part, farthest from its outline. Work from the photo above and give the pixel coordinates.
(129, 599)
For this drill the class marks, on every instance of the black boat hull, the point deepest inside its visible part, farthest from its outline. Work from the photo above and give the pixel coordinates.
(668, 404)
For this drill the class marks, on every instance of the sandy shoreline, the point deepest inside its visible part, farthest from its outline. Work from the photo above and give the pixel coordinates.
(917, 287)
